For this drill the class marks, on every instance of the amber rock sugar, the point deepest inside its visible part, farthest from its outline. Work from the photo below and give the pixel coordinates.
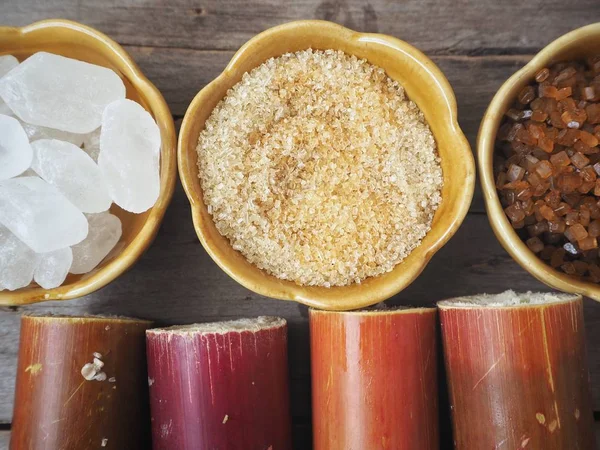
(319, 170)
(547, 165)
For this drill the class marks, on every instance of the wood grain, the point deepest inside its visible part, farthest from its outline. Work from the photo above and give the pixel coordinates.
(448, 27)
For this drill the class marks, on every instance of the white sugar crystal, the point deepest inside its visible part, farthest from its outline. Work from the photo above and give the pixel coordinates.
(73, 172)
(101, 376)
(15, 151)
(104, 233)
(91, 144)
(53, 268)
(88, 371)
(4, 109)
(35, 133)
(129, 156)
(39, 215)
(98, 363)
(7, 63)
(17, 261)
(58, 92)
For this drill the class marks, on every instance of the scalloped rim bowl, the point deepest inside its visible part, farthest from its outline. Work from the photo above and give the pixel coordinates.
(425, 85)
(82, 42)
(571, 46)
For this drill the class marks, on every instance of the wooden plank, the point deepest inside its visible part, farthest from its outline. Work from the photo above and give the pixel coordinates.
(177, 282)
(4, 439)
(483, 27)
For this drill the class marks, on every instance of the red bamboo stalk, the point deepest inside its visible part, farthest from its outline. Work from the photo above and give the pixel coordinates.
(221, 385)
(57, 408)
(517, 372)
(374, 379)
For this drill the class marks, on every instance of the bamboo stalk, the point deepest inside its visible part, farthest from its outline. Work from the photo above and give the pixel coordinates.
(517, 372)
(57, 408)
(374, 379)
(220, 386)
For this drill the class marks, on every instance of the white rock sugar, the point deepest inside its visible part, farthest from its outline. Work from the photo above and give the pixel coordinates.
(318, 169)
(15, 152)
(17, 261)
(104, 233)
(63, 93)
(73, 172)
(39, 215)
(130, 155)
(53, 268)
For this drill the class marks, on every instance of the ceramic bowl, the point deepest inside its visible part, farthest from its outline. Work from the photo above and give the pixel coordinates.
(572, 46)
(78, 41)
(425, 85)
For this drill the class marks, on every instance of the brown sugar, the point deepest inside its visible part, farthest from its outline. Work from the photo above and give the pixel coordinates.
(319, 169)
(547, 166)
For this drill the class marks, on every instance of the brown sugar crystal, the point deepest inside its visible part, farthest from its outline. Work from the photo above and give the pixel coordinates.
(319, 170)
(547, 166)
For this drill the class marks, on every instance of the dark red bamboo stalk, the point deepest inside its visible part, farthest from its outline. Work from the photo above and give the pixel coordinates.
(518, 375)
(374, 379)
(220, 386)
(57, 408)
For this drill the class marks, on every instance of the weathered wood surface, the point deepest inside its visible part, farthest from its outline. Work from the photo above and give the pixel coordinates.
(183, 44)
(443, 27)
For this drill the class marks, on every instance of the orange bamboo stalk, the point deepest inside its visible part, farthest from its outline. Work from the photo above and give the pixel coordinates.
(57, 408)
(517, 372)
(374, 379)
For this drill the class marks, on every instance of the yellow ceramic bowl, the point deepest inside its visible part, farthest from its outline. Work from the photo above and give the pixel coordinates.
(78, 41)
(425, 85)
(572, 46)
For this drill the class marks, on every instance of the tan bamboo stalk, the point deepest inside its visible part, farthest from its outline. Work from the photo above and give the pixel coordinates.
(56, 407)
(374, 379)
(517, 372)
(220, 385)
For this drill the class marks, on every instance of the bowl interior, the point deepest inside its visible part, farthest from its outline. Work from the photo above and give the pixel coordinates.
(575, 45)
(424, 84)
(82, 43)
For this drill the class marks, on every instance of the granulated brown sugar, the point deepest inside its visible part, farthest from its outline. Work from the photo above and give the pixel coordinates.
(318, 169)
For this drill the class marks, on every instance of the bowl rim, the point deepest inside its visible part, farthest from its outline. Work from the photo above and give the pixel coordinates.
(130, 254)
(289, 290)
(485, 150)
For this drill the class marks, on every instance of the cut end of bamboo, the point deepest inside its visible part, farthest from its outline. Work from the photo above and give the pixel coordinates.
(508, 299)
(381, 309)
(86, 318)
(240, 325)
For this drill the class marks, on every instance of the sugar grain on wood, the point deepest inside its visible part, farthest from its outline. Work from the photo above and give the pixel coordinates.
(318, 169)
